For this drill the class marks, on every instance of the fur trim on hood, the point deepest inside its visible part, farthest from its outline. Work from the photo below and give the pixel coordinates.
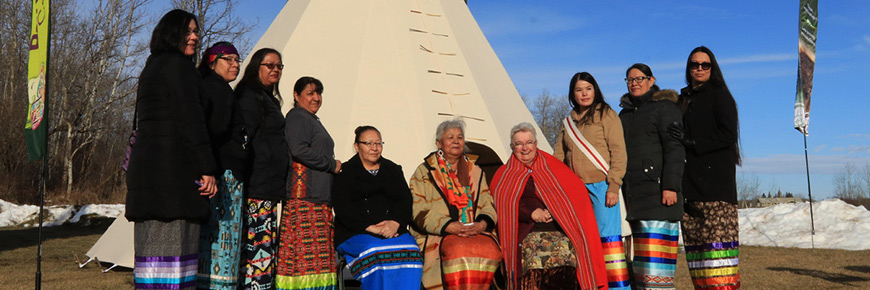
(670, 95)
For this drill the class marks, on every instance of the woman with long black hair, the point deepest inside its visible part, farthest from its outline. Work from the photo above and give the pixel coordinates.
(593, 146)
(710, 229)
(259, 110)
(172, 169)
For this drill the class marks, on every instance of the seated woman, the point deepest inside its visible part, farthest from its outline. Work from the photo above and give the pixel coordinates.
(453, 215)
(546, 223)
(372, 206)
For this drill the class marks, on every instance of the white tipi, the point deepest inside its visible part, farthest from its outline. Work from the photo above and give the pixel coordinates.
(402, 66)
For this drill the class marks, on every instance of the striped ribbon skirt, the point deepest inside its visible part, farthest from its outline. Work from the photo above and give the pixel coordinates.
(710, 233)
(655, 253)
(165, 254)
(470, 262)
(220, 238)
(384, 263)
(306, 254)
(609, 222)
(258, 252)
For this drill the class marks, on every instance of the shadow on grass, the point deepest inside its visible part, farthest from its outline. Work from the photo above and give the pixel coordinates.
(860, 269)
(832, 277)
(14, 238)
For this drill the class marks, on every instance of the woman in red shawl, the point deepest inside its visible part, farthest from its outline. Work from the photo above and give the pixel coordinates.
(546, 224)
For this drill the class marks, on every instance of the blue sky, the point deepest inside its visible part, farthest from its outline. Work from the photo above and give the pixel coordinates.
(543, 43)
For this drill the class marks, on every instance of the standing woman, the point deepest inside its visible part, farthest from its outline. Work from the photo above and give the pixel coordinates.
(710, 230)
(220, 237)
(652, 182)
(172, 169)
(306, 255)
(262, 124)
(593, 146)
(372, 213)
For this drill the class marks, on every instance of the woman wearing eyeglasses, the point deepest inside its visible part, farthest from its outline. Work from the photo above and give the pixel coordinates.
(220, 238)
(171, 171)
(592, 144)
(710, 230)
(653, 179)
(262, 131)
(372, 212)
(306, 254)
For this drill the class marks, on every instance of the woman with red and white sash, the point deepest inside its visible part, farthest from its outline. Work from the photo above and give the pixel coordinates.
(546, 225)
(593, 146)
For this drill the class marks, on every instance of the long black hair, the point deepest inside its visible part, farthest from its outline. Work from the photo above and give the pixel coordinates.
(598, 103)
(171, 31)
(716, 78)
(251, 79)
(716, 81)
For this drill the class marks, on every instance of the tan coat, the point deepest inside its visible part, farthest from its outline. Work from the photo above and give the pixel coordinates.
(431, 213)
(606, 136)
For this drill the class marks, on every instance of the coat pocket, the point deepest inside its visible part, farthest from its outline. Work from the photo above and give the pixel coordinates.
(650, 170)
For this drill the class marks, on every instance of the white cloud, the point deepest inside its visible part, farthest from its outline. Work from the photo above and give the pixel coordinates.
(773, 57)
(852, 149)
(819, 148)
(794, 163)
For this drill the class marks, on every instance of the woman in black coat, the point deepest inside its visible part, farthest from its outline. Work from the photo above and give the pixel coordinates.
(172, 169)
(262, 127)
(220, 239)
(652, 181)
(712, 154)
(372, 206)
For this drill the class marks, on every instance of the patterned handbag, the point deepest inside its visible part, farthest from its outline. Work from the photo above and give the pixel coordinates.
(132, 140)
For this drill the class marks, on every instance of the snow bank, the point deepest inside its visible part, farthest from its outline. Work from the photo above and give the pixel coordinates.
(28, 215)
(838, 225)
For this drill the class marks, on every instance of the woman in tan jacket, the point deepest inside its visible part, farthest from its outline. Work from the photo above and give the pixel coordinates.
(453, 215)
(593, 146)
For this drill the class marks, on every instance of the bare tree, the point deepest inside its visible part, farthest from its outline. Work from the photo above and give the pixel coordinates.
(847, 183)
(548, 111)
(18, 177)
(218, 22)
(748, 186)
(93, 81)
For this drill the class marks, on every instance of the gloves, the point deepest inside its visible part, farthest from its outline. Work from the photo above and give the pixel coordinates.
(676, 131)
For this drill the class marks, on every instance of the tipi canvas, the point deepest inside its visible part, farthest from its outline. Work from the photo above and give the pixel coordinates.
(402, 66)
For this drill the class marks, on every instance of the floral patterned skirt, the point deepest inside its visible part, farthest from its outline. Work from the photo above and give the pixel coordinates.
(548, 261)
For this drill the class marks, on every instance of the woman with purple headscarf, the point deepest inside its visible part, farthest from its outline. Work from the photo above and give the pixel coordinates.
(220, 238)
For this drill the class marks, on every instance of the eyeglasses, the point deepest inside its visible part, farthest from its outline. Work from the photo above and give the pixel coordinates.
(231, 59)
(372, 144)
(273, 65)
(637, 79)
(529, 143)
(703, 65)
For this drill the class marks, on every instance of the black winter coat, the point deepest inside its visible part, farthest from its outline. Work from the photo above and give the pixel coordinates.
(710, 117)
(655, 160)
(361, 199)
(218, 101)
(263, 123)
(172, 149)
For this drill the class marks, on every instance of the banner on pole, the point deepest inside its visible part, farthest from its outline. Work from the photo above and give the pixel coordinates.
(35, 127)
(809, 20)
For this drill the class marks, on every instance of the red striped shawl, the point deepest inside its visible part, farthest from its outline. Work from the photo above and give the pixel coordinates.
(568, 201)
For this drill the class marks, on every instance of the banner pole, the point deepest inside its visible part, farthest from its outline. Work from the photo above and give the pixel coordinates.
(45, 168)
(810, 191)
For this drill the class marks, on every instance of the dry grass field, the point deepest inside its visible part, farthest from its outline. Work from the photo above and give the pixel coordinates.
(760, 267)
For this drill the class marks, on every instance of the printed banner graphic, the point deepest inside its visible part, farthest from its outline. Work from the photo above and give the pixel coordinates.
(35, 129)
(809, 21)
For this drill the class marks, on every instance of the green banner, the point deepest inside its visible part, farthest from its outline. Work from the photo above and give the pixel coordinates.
(809, 21)
(35, 128)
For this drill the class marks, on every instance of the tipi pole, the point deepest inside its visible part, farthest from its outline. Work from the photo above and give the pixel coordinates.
(810, 190)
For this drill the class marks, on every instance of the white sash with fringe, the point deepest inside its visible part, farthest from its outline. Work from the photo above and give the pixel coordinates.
(592, 154)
